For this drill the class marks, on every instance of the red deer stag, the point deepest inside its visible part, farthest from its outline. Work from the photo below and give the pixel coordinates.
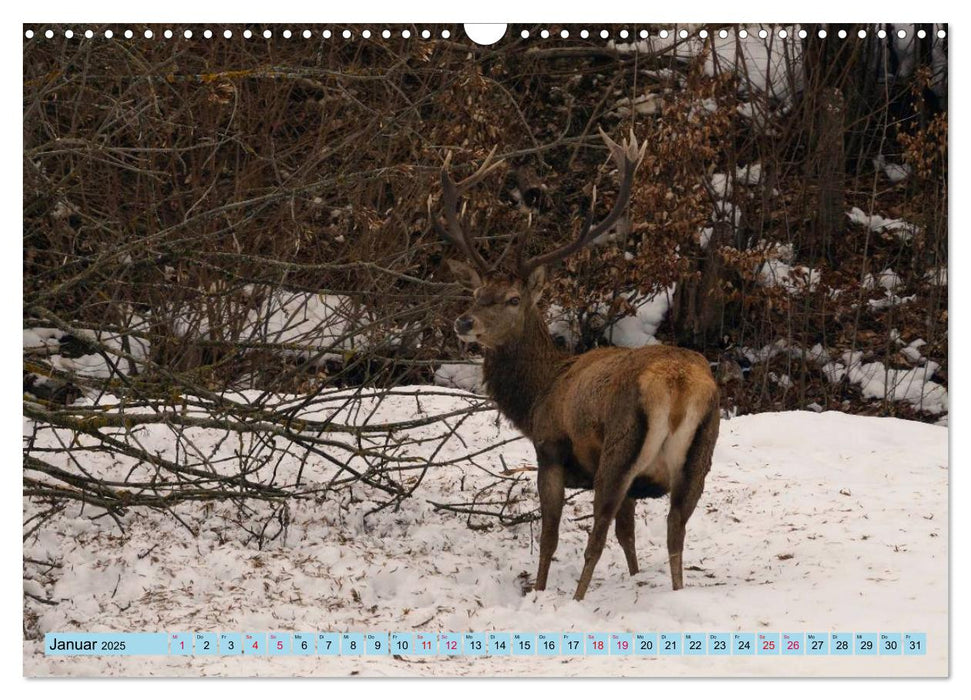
(629, 423)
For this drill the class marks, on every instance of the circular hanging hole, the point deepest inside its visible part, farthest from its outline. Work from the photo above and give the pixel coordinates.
(425, 34)
(921, 34)
(29, 34)
(604, 33)
(326, 34)
(68, 34)
(703, 33)
(287, 33)
(545, 34)
(90, 35)
(882, 33)
(446, 34)
(366, 33)
(821, 34)
(228, 34)
(564, 34)
(346, 34)
(643, 34)
(484, 34)
(187, 33)
(803, 33)
(902, 34)
(167, 34)
(941, 33)
(722, 34)
(741, 32)
(841, 33)
(624, 34)
(584, 34)
(763, 34)
(207, 34)
(267, 33)
(405, 33)
(149, 34)
(683, 34)
(663, 33)
(247, 34)
(861, 33)
(129, 33)
(783, 33)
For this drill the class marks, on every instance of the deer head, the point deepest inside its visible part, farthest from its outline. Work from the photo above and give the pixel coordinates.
(504, 303)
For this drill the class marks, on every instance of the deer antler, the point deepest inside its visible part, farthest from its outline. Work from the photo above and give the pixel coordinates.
(452, 228)
(626, 156)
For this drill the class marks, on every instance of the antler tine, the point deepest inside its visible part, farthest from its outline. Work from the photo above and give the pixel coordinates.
(487, 167)
(626, 156)
(451, 192)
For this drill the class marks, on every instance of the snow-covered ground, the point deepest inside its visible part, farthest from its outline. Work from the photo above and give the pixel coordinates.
(809, 522)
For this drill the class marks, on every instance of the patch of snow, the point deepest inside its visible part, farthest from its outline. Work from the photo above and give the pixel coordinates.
(647, 104)
(721, 185)
(466, 376)
(898, 227)
(888, 300)
(750, 174)
(888, 279)
(42, 338)
(895, 172)
(641, 328)
(793, 278)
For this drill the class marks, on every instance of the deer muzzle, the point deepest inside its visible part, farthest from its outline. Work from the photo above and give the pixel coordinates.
(463, 327)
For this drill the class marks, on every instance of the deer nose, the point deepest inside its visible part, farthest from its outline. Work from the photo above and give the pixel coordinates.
(463, 325)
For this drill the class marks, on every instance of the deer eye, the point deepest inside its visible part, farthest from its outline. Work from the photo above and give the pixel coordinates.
(513, 302)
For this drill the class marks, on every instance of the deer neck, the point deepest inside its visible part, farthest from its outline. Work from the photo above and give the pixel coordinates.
(520, 373)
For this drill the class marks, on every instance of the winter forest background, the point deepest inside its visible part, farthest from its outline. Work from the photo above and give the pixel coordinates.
(237, 316)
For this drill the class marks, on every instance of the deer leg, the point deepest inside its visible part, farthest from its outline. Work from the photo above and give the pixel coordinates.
(687, 490)
(610, 490)
(676, 523)
(625, 532)
(550, 480)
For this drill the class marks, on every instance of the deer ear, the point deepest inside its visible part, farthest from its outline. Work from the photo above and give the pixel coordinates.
(465, 275)
(536, 282)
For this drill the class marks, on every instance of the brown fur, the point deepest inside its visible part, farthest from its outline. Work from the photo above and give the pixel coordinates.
(630, 423)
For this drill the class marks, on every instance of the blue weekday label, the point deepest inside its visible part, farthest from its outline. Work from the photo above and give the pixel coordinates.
(474, 644)
(206, 644)
(303, 644)
(645, 644)
(915, 644)
(694, 644)
(402, 642)
(891, 644)
(719, 644)
(328, 643)
(669, 643)
(450, 643)
(841, 644)
(547, 644)
(817, 643)
(278, 644)
(793, 644)
(572, 644)
(865, 644)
